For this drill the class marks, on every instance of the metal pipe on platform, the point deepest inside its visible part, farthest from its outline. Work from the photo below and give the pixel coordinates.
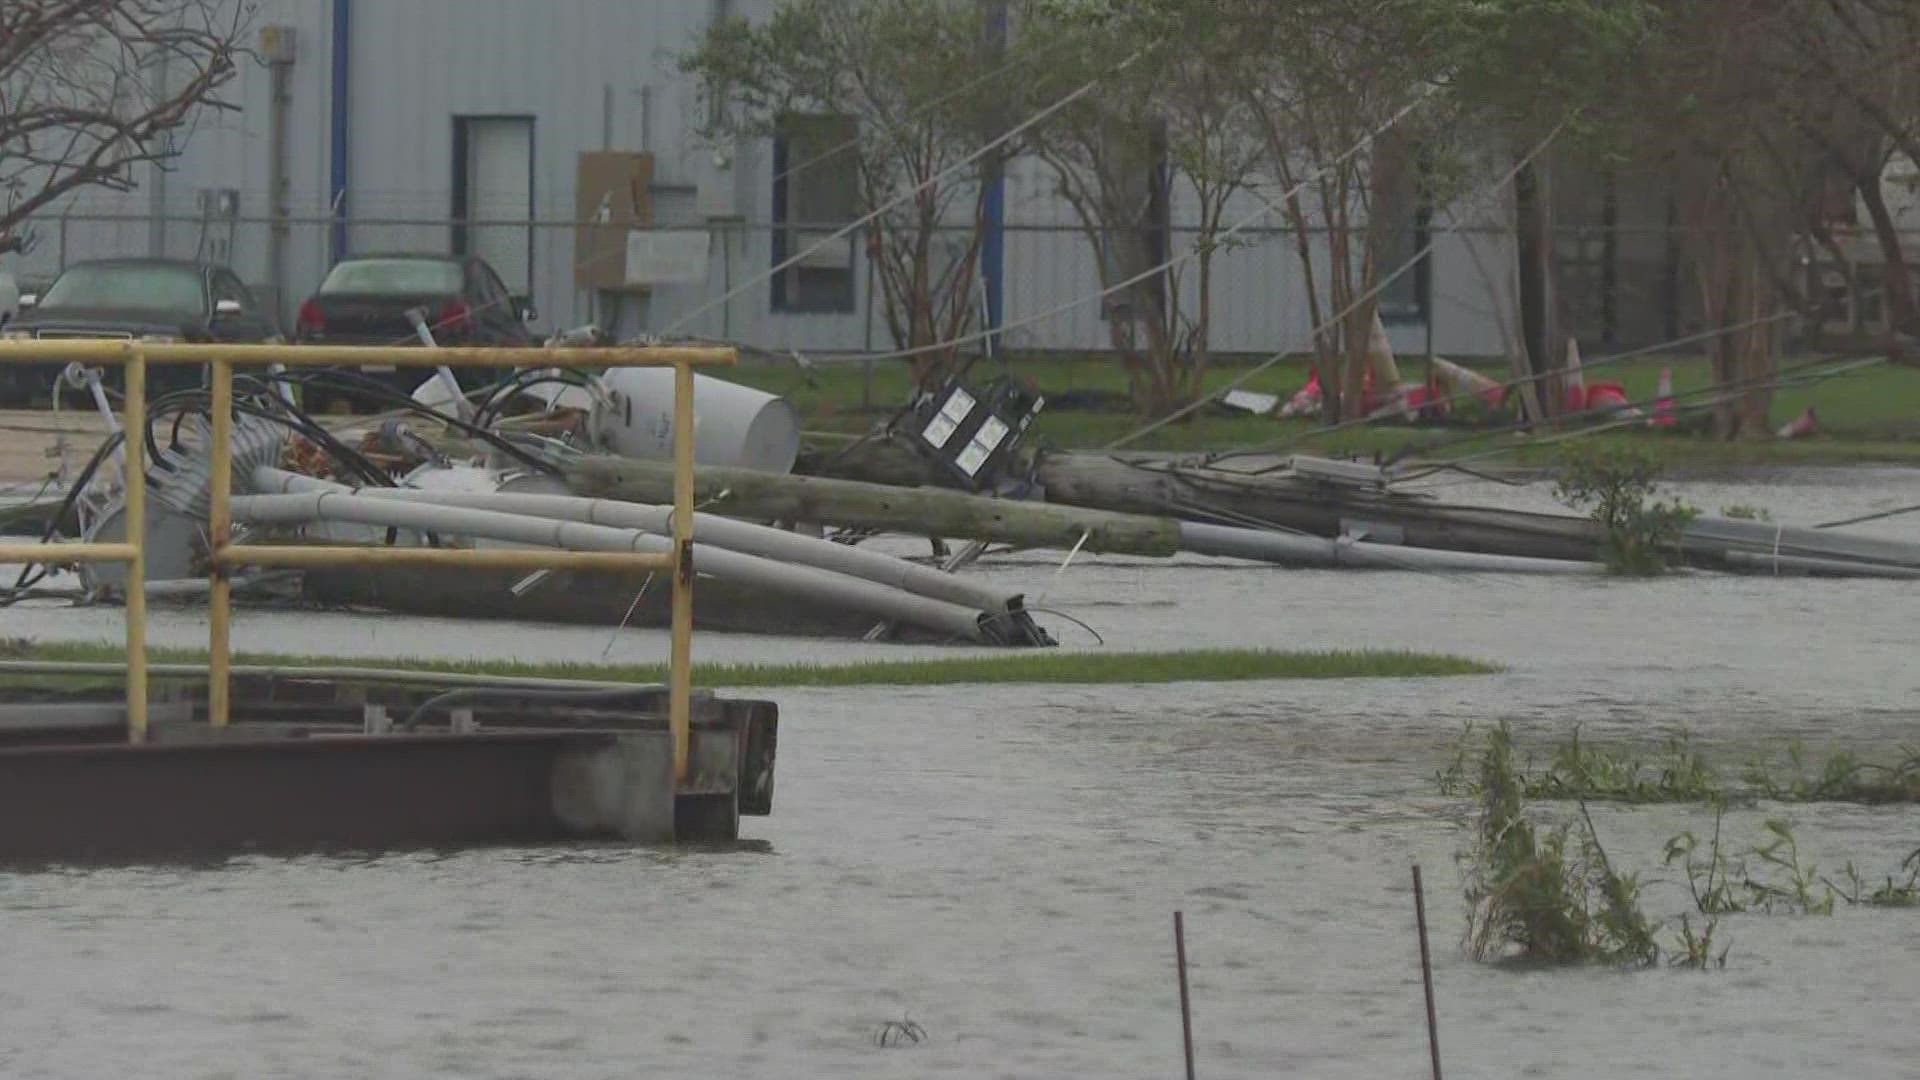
(807, 582)
(1286, 549)
(715, 532)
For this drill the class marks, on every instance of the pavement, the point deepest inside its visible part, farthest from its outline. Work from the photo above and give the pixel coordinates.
(32, 441)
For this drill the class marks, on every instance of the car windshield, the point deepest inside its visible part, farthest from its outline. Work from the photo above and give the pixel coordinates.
(127, 285)
(411, 277)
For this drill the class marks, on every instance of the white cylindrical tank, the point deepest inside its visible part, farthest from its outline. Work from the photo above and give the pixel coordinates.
(733, 424)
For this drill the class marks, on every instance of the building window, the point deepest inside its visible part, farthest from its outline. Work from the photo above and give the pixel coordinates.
(816, 192)
(1407, 205)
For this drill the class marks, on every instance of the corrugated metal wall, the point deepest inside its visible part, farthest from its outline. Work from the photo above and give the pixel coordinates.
(603, 72)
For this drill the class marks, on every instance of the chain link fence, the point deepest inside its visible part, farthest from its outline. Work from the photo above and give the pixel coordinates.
(1620, 287)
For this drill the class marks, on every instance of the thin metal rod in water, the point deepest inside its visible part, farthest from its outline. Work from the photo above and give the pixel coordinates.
(1426, 969)
(135, 482)
(1186, 1002)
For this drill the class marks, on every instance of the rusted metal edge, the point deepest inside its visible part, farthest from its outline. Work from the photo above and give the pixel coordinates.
(376, 676)
(317, 743)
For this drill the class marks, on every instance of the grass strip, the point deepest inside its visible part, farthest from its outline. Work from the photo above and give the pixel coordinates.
(1865, 417)
(1048, 668)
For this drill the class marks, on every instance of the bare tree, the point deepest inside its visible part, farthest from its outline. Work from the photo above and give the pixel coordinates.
(1329, 90)
(1163, 139)
(1745, 176)
(91, 88)
(889, 87)
(1854, 66)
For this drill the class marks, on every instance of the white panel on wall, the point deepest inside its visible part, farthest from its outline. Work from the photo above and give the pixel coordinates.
(499, 177)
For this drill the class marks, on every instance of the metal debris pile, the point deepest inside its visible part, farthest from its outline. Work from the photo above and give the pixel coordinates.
(564, 459)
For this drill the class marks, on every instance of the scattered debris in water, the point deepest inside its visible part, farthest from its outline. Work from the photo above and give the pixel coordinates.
(898, 1033)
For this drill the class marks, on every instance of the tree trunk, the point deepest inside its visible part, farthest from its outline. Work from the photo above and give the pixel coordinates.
(1758, 369)
(1738, 292)
(1324, 358)
(1895, 280)
(1539, 332)
(1352, 373)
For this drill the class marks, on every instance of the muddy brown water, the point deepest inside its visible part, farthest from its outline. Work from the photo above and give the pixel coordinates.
(1000, 864)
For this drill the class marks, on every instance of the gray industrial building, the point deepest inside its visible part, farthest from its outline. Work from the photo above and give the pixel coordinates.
(489, 125)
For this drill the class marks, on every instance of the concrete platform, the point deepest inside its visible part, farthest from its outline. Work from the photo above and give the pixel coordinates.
(73, 790)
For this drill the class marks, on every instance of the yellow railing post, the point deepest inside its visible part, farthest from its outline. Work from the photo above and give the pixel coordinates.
(219, 536)
(135, 480)
(226, 555)
(680, 675)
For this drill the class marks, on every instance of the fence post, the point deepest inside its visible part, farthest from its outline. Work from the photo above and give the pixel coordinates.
(135, 480)
(680, 677)
(220, 534)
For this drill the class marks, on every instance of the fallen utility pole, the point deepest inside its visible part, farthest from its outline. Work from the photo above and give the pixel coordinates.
(1320, 504)
(875, 460)
(1312, 506)
(812, 584)
(744, 493)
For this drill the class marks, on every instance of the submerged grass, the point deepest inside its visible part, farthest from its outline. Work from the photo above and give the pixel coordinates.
(1678, 773)
(1547, 892)
(1841, 777)
(1546, 895)
(1212, 665)
(1581, 770)
(1723, 884)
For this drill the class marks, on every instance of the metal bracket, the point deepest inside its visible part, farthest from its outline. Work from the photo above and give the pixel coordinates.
(1374, 531)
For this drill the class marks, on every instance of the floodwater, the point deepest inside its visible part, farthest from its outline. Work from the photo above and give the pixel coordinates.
(1000, 864)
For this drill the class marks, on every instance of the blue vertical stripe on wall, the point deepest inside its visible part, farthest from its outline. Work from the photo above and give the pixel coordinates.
(337, 186)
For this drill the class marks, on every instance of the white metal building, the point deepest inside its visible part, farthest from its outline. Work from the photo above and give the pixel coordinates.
(400, 117)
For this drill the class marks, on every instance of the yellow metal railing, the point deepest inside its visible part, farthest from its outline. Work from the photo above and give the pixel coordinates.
(226, 555)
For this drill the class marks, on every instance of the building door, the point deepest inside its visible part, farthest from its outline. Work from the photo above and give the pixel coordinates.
(493, 185)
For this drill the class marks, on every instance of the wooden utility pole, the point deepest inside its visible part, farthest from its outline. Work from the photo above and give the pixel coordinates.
(993, 239)
(1533, 210)
(953, 515)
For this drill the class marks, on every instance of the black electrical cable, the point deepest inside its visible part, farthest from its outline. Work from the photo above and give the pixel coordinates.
(33, 573)
(262, 401)
(279, 410)
(407, 403)
(269, 406)
(503, 393)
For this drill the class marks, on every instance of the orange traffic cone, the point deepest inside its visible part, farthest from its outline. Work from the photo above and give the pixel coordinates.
(1805, 424)
(1307, 400)
(1576, 380)
(1663, 413)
